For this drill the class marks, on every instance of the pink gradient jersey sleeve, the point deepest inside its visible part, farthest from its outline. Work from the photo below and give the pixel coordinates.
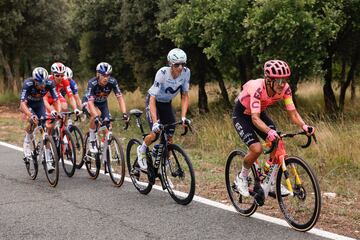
(255, 98)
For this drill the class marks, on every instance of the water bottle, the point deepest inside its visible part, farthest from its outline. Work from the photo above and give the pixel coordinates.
(267, 165)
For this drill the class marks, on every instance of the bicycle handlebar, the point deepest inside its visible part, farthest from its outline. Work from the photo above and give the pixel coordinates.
(188, 126)
(291, 135)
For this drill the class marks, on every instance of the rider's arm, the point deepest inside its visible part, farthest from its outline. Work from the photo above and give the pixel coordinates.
(92, 108)
(77, 100)
(296, 118)
(24, 109)
(259, 124)
(184, 104)
(122, 105)
(153, 112)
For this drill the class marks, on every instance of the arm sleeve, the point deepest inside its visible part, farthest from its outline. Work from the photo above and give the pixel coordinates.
(52, 91)
(186, 84)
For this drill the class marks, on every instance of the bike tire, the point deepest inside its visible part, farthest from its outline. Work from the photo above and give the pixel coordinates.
(53, 177)
(139, 178)
(246, 206)
(78, 138)
(307, 196)
(31, 164)
(178, 174)
(115, 160)
(92, 161)
(69, 164)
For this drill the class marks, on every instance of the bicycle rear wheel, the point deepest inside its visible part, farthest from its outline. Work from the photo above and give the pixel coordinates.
(78, 138)
(139, 177)
(115, 160)
(91, 160)
(51, 159)
(302, 209)
(246, 206)
(178, 174)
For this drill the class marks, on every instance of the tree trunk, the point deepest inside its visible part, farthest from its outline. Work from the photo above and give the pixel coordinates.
(242, 70)
(203, 100)
(353, 91)
(9, 79)
(331, 107)
(293, 84)
(350, 78)
(222, 86)
(16, 67)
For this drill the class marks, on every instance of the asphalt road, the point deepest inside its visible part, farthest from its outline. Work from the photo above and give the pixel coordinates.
(81, 208)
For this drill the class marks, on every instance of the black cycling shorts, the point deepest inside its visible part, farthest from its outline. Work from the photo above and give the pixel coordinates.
(165, 114)
(245, 127)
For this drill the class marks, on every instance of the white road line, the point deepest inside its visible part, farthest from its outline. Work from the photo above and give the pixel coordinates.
(209, 202)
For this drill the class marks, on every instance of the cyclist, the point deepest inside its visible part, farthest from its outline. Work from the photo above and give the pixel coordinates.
(73, 86)
(169, 81)
(32, 105)
(98, 90)
(61, 84)
(249, 115)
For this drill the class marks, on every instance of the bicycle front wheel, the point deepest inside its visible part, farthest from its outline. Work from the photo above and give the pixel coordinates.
(246, 206)
(302, 208)
(78, 138)
(50, 161)
(68, 155)
(115, 161)
(31, 163)
(140, 178)
(178, 174)
(91, 160)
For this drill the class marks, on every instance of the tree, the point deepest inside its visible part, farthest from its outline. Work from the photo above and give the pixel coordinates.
(292, 31)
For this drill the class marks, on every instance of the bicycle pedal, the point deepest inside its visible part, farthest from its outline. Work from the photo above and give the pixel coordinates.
(272, 194)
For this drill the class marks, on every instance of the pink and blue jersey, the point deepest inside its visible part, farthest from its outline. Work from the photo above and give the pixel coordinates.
(255, 98)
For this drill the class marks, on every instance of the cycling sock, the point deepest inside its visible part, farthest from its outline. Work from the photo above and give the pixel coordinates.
(143, 147)
(27, 138)
(244, 172)
(92, 134)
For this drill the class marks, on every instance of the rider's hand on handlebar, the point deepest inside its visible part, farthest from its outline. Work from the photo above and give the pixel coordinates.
(54, 113)
(156, 127)
(308, 129)
(34, 119)
(77, 112)
(185, 121)
(126, 117)
(272, 135)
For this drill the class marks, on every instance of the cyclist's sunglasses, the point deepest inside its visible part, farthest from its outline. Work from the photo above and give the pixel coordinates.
(58, 75)
(176, 65)
(280, 81)
(105, 75)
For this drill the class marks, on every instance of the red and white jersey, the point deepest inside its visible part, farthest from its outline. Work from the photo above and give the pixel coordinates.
(255, 99)
(64, 84)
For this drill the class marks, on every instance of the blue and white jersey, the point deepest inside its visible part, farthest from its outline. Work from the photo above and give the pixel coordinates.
(30, 93)
(73, 87)
(99, 94)
(165, 87)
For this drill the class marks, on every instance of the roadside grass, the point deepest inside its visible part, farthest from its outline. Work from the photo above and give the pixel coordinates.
(335, 158)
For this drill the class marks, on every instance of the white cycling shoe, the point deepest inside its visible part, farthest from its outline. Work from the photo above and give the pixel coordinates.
(242, 186)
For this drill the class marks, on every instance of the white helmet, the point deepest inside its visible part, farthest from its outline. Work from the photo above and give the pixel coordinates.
(104, 68)
(40, 75)
(68, 72)
(176, 55)
(58, 67)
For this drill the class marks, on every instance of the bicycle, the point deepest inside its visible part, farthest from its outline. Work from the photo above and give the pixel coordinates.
(171, 165)
(65, 144)
(301, 207)
(40, 141)
(113, 157)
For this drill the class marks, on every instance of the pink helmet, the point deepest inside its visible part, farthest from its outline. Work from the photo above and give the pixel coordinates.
(276, 69)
